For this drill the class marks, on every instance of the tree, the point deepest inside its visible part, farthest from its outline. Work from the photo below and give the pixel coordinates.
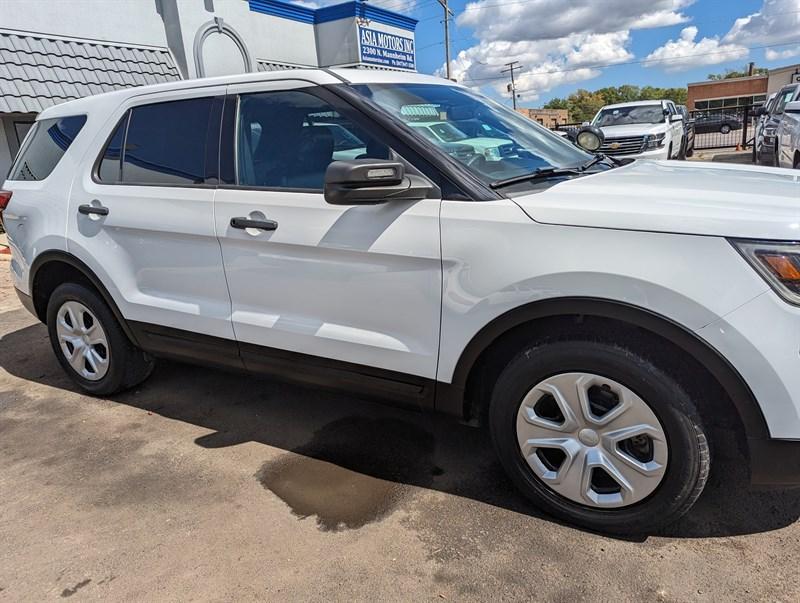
(583, 105)
(733, 73)
(557, 103)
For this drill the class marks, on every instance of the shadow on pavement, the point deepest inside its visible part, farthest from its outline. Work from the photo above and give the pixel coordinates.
(399, 446)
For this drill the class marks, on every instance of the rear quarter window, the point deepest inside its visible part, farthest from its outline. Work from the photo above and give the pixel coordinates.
(45, 146)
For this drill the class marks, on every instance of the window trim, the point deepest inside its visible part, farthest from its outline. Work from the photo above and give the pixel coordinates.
(213, 132)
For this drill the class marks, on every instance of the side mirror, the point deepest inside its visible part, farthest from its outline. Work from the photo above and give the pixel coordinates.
(676, 118)
(761, 111)
(590, 138)
(371, 181)
(793, 107)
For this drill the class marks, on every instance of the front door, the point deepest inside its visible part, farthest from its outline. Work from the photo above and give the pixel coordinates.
(353, 290)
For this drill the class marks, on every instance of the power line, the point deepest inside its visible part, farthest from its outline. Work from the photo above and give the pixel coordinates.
(447, 14)
(687, 23)
(512, 87)
(639, 62)
(475, 7)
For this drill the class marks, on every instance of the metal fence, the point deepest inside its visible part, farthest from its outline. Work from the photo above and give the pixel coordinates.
(725, 127)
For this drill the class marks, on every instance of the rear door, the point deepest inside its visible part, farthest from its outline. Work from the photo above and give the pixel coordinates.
(143, 217)
(351, 289)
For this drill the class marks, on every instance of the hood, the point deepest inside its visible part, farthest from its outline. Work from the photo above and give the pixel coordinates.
(678, 197)
(633, 130)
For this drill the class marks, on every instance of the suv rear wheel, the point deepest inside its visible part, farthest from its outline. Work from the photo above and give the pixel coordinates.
(89, 343)
(597, 435)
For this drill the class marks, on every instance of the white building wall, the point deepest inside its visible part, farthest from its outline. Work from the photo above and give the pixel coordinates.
(266, 37)
(129, 21)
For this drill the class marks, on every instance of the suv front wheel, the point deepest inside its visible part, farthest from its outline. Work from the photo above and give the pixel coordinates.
(597, 435)
(90, 344)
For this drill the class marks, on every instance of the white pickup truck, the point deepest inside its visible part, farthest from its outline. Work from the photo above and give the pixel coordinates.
(788, 136)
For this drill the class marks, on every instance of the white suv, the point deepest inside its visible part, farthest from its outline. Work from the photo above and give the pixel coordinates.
(643, 129)
(606, 319)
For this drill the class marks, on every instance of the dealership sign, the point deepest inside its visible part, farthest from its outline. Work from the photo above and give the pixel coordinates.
(386, 49)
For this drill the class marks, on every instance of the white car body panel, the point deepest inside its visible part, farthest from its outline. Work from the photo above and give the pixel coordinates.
(688, 198)
(789, 136)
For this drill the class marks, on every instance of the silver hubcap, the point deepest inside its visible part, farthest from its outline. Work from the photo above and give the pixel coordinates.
(82, 340)
(592, 440)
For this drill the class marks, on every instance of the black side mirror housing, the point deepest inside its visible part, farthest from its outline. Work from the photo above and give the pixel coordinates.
(372, 181)
(761, 111)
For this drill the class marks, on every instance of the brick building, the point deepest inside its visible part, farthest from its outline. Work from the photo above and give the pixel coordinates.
(547, 117)
(717, 94)
(740, 91)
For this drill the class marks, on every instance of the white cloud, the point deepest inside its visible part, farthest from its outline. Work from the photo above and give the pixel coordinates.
(556, 42)
(545, 64)
(777, 22)
(686, 53)
(777, 55)
(553, 19)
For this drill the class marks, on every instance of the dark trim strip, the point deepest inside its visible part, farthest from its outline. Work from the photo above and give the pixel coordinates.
(365, 381)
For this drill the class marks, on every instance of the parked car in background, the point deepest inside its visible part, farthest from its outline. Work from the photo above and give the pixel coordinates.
(767, 146)
(764, 114)
(723, 123)
(646, 129)
(688, 131)
(789, 136)
(606, 320)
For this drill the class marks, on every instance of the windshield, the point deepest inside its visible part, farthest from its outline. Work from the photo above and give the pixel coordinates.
(623, 116)
(493, 142)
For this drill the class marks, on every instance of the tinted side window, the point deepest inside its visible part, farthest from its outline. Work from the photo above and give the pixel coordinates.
(110, 166)
(45, 147)
(784, 97)
(287, 139)
(165, 143)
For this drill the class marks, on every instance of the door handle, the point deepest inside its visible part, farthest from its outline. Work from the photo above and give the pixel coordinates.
(98, 210)
(259, 224)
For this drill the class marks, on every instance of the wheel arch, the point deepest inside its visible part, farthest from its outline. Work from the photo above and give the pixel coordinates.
(53, 268)
(459, 397)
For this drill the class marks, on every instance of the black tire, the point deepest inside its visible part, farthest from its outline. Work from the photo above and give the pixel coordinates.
(682, 150)
(127, 365)
(725, 129)
(689, 457)
(669, 151)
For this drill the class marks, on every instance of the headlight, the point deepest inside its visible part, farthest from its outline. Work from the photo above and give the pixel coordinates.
(654, 141)
(770, 132)
(778, 263)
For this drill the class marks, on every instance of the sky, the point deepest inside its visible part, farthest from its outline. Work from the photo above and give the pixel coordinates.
(564, 45)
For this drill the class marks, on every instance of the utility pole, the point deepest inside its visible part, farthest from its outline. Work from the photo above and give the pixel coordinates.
(513, 86)
(447, 14)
